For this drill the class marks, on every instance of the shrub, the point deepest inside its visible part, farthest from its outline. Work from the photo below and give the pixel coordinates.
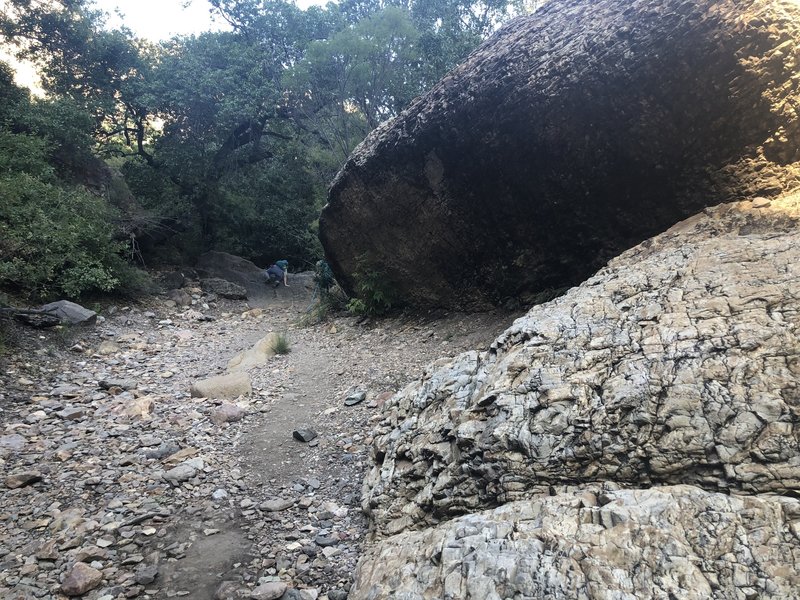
(375, 294)
(55, 240)
(281, 344)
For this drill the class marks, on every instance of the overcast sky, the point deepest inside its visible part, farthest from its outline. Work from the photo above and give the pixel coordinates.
(161, 19)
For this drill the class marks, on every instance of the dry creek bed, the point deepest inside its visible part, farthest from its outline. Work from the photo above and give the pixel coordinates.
(116, 483)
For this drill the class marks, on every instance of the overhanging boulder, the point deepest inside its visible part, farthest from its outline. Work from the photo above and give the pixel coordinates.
(571, 135)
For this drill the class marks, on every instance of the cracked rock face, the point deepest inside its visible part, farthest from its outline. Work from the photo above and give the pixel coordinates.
(677, 364)
(570, 136)
(628, 544)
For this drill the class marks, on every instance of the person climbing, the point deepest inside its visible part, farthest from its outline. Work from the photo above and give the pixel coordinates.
(324, 276)
(277, 273)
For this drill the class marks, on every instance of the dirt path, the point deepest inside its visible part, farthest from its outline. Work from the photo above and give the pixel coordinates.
(261, 507)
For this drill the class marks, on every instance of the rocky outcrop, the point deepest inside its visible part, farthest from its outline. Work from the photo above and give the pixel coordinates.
(684, 543)
(567, 138)
(677, 364)
(232, 268)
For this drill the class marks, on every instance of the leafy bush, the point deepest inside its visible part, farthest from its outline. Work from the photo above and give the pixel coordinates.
(55, 240)
(375, 294)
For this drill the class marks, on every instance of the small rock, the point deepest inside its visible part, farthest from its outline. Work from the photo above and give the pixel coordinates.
(71, 414)
(182, 472)
(108, 347)
(22, 479)
(304, 434)
(80, 579)
(269, 591)
(147, 574)
(219, 494)
(227, 413)
(276, 505)
(355, 398)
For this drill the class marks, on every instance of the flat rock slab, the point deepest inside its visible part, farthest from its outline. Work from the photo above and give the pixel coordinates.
(226, 387)
(71, 313)
(23, 479)
(276, 505)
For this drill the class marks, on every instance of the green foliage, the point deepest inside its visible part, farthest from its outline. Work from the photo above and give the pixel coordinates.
(280, 344)
(228, 139)
(55, 240)
(375, 294)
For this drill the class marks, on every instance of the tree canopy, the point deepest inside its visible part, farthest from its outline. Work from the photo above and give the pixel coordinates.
(225, 140)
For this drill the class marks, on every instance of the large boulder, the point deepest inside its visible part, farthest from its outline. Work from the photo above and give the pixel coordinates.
(676, 365)
(571, 135)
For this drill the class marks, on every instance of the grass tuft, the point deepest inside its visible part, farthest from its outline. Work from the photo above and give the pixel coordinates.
(281, 344)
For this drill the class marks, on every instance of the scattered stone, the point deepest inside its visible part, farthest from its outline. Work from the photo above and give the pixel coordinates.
(355, 398)
(146, 575)
(269, 591)
(72, 414)
(276, 505)
(108, 347)
(304, 434)
(80, 579)
(227, 413)
(23, 479)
